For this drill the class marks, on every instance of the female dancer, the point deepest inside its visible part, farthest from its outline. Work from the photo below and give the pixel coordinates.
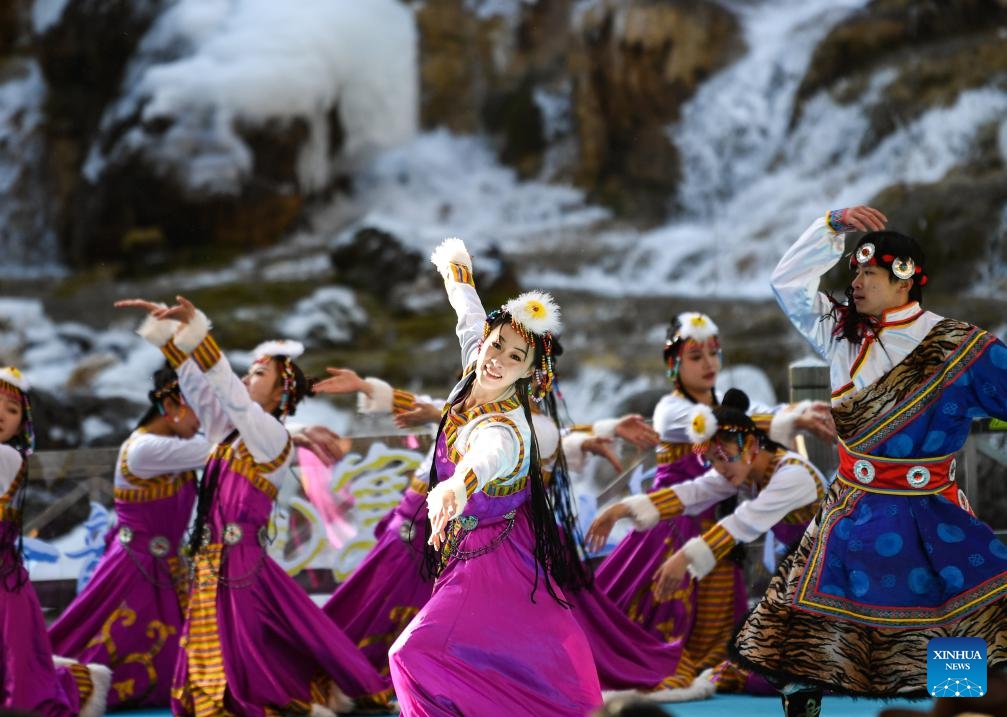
(29, 679)
(130, 614)
(382, 595)
(489, 642)
(253, 642)
(785, 490)
(702, 615)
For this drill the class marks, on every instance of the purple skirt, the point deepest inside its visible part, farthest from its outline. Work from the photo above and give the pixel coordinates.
(480, 646)
(28, 679)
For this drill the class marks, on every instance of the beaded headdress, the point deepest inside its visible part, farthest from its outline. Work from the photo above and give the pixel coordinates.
(285, 351)
(534, 315)
(15, 386)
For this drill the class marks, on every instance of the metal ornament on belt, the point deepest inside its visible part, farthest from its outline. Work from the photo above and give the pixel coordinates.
(863, 471)
(233, 534)
(125, 535)
(865, 253)
(159, 546)
(904, 268)
(407, 531)
(918, 476)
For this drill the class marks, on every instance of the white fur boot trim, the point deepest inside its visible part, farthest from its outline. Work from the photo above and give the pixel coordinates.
(101, 681)
(702, 688)
(338, 701)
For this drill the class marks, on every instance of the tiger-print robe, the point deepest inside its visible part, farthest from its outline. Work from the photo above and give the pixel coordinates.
(877, 574)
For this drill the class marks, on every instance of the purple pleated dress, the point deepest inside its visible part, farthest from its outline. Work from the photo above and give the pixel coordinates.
(129, 616)
(480, 646)
(29, 680)
(700, 615)
(253, 642)
(375, 603)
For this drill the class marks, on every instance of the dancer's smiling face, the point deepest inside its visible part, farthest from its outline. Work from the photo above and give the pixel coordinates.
(503, 359)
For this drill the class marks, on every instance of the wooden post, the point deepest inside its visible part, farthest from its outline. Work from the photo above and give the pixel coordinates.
(809, 380)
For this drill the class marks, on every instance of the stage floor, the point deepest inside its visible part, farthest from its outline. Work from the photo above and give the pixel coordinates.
(721, 705)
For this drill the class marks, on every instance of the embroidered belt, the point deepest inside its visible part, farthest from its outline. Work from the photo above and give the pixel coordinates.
(235, 533)
(925, 476)
(418, 486)
(158, 545)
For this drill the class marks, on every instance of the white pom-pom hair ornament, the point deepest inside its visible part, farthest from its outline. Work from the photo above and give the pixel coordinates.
(536, 312)
(282, 347)
(9, 374)
(702, 425)
(696, 326)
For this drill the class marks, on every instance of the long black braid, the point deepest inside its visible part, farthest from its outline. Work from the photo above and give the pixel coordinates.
(204, 500)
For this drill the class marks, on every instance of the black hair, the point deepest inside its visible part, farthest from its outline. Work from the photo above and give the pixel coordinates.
(302, 386)
(733, 419)
(559, 543)
(888, 246)
(165, 386)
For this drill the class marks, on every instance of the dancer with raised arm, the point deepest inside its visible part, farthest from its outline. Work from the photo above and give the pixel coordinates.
(253, 642)
(895, 555)
(496, 637)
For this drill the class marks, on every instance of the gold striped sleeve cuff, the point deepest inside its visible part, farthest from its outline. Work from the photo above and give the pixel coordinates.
(462, 274)
(402, 401)
(719, 541)
(275, 464)
(176, 357)
(207, 354)
(667, 503)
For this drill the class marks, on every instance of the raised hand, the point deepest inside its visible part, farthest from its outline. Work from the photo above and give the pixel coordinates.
(151, 307)
(602, 525)
(184, 311)
(863, 218)
(817, 420)
(341, 381)
(634, 428)
(601, 446)
(422, 414)
(323, 442)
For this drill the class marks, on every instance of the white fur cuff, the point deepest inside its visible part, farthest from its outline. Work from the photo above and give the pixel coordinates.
(380, 400)
(435, 498)
(643, 511)
(450, 251)
(701, 558)
(191, 335)
(101, 682)
(157, 331)
(605, 427)
(781, 428)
